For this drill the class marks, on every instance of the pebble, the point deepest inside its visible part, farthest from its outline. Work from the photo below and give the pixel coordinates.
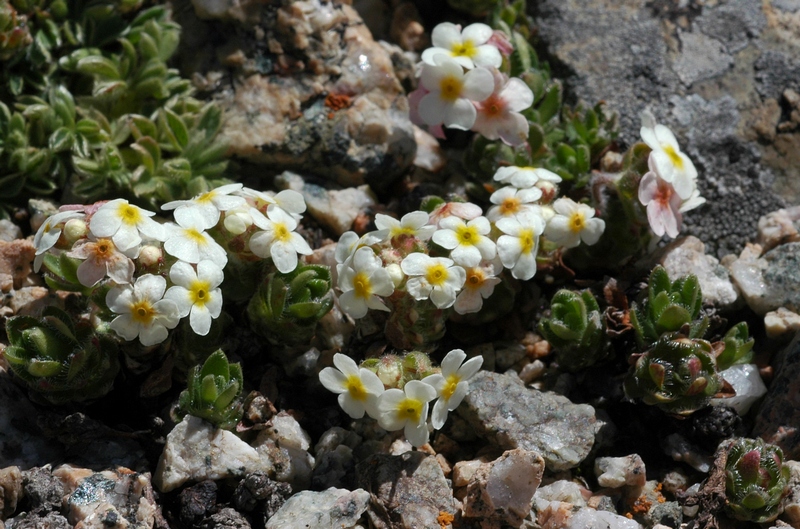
(769, 282)
(334, 457)
(10, 490)
(781, 322)
(285, 445)
(616, 472)
(779, 227)
(329, 509)
(747, 383)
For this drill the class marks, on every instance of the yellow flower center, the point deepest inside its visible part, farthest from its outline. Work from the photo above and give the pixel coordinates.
(47, 227)
(205, 198)
(450, 88)
(674, 157)
(362, 285)
(356, 388)
(475, 278)
(467, 235)
(196, 236)
(436, 274)
(409, 409)
(510, 206)
(199, 292)
(129, 214)
(282, 233)
(397, 231)
(142, 312)
(527, 240)
(450, 386)
(464, 49)
(577, 222)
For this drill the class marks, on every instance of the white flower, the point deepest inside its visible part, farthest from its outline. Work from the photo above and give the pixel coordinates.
(524, 177)
(468, 48)
(196, 293)
(478, 286)
(358, 389)
(518, 246)
(433, 277)
(499, 114)
(279, 240)
(573, 223)
(206, 206)
(362, 283)
(407, 409)
(292, 202)
(664, 206)
(189, 242)
(48, 233)
(125, 224)
(451, 93)
(239, 219)
(349, 242)
(452, 385)
(509, 201)
(468, 242)
(671, 164)
(414, 224)
(101, 258)
(141, 310)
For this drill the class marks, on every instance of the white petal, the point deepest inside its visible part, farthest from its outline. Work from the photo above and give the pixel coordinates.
(209, 271)
(593, 230)
(385, 222)
(432, 109)
(468, 301)
(153, 334)
(443, 298)
(354, 306)
(459, 115)
(446, 35)
(478, 84)
(488, 56)
(365, 260)
(260, 243)
(517, 94)
(468, 256)
(200, 319)
(182, 274)
(414, 219)
(439, 414)
(125, 327)
(181, 297)
(333, 380)
(457, 396)
(382, 284)
(387, 408)
(416, 434)
(345, 364)
(470, 367)
(183, 249)
(525, 267)
(418, 288)
(283, 256)
(90, 273)
(291, 201)
(478, 33)
(436, 381)
(452, 361)
(446, 238)
(352, 407)
(150, 287)
(649, 137)
(415, 264)
(428, 55)
(299, 244)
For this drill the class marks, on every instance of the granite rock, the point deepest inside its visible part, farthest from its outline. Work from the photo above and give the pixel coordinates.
(720, 74)
(770, 281)
(501, 409)
(284, 446)
(329, 509)
(406, 491)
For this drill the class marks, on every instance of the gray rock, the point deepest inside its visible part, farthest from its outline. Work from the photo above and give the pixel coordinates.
(616, 472)
(26, 520)
(591, 519)
(197, 502)
(687, 256)
(258, 492)
(329, 509)
(667, 513)
(779, 227)
(406, 491)
(502, 491)
(284, 446)
(197, 451)
(43, 491)
(9, 231)
(778, 416)
(306, 88)
(226, 518)
(334, 457)
(769, 282)
(714, 72)
(500, 408)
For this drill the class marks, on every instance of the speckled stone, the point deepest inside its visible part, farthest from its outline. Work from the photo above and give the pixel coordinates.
(329, 509)
(407, 491)
(510, 415)
(771, 281)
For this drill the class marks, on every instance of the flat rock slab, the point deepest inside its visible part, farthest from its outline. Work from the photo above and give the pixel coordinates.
(329, 509)
(510, 415)
(407, 491)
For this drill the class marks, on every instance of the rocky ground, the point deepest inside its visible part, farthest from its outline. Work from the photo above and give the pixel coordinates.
(529, 446)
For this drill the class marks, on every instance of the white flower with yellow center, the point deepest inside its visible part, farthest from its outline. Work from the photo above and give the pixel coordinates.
(142, 311)
(525, 177)
(573, 223)
(279, 240)
(519, 244)
(671, 164)
(436, 278)
(290, 201)
(362, 283)
(206, 206)
(452, 385)
(414, 224)
(125, 224)
(407, 409)
(468, 48)
(451, 93)
(358, 389)
(467, 241)
(101, 257)
(48, 233)
(189, 242)
(478, 286)
(508, 201)
(196, 293)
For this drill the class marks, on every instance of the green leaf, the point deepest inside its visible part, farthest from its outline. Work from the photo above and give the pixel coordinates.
(61, 140)
(97, 65)
(216, 365)
(177, 127)
(551, 104)
(43, 368)
(673, 318)
(208, 389)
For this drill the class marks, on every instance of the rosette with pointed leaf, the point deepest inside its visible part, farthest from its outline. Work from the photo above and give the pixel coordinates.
(61, 360)
(738, 347)
(667, 306)
(756, 480)
(679, 375)
(287, 307)
(575, 329)
(214, 392)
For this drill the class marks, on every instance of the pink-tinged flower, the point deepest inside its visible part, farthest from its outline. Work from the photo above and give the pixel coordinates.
(469, 48)
(462, 210)
(101, 258)
(500, 41)
(451, 93)
(499, 114)
(672, 165)
(662, 202)
(478, 286)
(125, 224)
(509, 201)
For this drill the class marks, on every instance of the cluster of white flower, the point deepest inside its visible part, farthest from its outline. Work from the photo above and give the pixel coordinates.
(361, 391)
(669, 189)
(398, 256)
(461, 87)
(181, 263)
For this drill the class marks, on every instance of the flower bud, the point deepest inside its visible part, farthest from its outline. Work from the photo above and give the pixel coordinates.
(150, 256)
(74, 229)
(395, 274)
(390, 371)
(549, 191)
(237, 222)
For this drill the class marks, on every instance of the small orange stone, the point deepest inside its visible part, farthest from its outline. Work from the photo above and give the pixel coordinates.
(445, 519)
